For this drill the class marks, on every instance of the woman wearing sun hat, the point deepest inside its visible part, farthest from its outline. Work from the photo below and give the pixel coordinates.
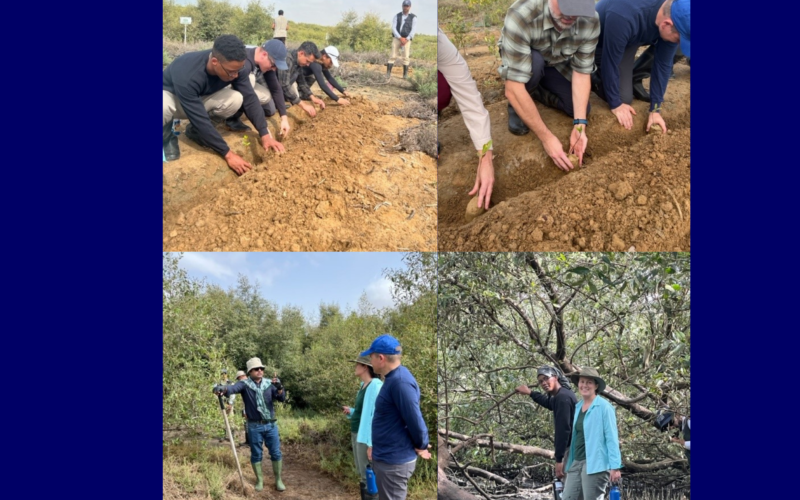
(594, 456)
(361, 418)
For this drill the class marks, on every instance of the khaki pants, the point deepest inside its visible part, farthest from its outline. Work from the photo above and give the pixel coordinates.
(359, 456)
(591, 486)
(223, 103)
(397, 49)
(262, 92)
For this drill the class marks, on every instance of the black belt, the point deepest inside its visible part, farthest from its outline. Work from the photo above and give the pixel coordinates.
(271, 421)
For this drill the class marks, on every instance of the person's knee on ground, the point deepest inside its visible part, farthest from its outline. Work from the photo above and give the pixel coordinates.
(269, 108)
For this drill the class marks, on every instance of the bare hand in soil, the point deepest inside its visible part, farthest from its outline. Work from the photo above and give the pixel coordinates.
(268, 142)
(555, 150)
(656, 120)
(309, 109)
(424, 453)
(343, 102)
(624, 114)
(345, 94)
(285, 128)
(484, 181)
(318, 101)
(574, 160)
(237, 163)
(473, 210)
(578, 141)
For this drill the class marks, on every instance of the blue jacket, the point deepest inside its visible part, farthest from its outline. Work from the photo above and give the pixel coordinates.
(600, 435)
(367, 411)
(628, 23)
(397, 426)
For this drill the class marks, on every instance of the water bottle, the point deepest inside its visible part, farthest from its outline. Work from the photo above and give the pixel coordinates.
(176, 127)
(558, 489)
(372, 486)
(614, 495)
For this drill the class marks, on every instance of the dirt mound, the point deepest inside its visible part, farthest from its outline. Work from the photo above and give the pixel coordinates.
(341, 185)
(633, 191)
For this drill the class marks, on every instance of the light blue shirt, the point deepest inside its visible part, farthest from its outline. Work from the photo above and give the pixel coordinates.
(367, 412)
(601, 437)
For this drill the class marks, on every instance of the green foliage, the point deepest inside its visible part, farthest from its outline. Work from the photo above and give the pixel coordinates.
(457, 30)
(254, 24)
(167, 58)
(361, 34)
(424, 81)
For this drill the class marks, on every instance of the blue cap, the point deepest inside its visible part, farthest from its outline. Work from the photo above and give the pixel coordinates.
(277, 50)
(681, 12)
(385, 344)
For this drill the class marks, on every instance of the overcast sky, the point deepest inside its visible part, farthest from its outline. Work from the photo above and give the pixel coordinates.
(329, 12)
(304, 280)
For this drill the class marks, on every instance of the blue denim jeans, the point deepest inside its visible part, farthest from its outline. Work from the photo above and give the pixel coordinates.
(266, 434)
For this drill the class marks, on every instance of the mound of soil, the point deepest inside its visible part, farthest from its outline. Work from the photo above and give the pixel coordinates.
(633, 190)
(341, 185)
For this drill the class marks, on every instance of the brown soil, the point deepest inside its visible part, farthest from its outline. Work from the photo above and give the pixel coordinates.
(633, 190)
(341, 185)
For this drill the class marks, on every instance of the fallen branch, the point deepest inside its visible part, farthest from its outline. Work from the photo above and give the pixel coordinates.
(516, 448)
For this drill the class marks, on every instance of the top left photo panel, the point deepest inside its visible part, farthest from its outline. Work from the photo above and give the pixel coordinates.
(305, 126)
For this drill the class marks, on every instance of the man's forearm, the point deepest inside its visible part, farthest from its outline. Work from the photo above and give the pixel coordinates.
(581, 87)
(523, 104)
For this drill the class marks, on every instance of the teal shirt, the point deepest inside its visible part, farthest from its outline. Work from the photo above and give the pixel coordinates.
(600, 437)
(367, 411)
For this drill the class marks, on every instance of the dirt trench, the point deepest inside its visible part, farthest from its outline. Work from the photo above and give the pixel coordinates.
(342, 185)
(632, 193)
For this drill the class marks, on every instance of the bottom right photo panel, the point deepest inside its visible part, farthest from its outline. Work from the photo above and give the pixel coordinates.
(564, 376)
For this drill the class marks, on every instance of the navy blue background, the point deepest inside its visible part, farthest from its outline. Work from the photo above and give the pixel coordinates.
(82, 212)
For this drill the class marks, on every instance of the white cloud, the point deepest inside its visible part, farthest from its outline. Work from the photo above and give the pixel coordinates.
(201, 264)
(379, 293)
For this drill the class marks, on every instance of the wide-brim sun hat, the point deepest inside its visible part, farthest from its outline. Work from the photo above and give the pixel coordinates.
(590, 373)
(363, 360)
(254, 363)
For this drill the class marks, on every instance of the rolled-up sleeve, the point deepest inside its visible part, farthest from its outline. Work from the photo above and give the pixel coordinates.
(455, 70)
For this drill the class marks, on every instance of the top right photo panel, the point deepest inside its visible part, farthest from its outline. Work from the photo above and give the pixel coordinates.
(564, 125)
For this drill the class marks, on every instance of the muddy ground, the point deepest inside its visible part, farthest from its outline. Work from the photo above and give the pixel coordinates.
(343, 184)
(632, 193)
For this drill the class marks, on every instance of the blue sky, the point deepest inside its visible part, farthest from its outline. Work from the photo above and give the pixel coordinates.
(329, 12)
(303, 280)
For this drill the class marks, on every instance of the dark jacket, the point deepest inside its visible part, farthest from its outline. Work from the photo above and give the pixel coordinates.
(563, 407)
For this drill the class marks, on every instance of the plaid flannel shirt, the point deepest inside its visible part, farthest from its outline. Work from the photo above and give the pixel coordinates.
(529, 26)
(294, 74)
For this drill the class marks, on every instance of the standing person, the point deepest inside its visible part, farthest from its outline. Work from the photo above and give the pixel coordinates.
(594, 456)
(455, 80)
(686, 439)
(399, 433)
(258, 395)
(261, 65)
(198, 85)
(404, 25)
(361, 419)
(547, 51)
(561, 401)
(280, 27)
(319, 71)
(292, 81)
(626, 26)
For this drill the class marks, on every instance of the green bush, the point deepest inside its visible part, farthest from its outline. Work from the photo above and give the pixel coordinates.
(425, 81)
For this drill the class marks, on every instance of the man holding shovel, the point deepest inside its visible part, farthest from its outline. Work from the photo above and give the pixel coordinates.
(258, 395)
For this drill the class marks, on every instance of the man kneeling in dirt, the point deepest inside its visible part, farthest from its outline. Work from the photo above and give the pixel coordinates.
(195, 86)
(316, 70)
(561, 401)
(258, 395)
(261, 65)
(292, 80)
(547, 50)
(626, 26)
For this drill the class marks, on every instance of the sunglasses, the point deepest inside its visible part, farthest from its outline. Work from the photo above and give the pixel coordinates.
(258, 369)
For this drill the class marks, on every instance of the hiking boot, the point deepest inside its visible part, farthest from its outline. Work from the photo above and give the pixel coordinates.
(259, 476)
(515, 124)
(545, 97)
(276, 469)
(363, 490)
(405, 71)
(234, 123)
(389, 69)
(171, 150)
(193, 134)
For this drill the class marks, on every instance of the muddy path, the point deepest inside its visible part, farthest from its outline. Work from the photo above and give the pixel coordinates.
(343, 184)
(632, 193)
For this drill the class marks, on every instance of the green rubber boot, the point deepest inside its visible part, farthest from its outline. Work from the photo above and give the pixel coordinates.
(259, 476)
(276, 468)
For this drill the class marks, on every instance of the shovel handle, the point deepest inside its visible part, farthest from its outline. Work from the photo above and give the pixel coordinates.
(221, 404)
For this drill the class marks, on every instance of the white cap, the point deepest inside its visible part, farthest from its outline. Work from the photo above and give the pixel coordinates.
(333, 53)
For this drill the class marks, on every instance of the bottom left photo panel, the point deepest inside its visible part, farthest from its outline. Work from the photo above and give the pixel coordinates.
(299, 375)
